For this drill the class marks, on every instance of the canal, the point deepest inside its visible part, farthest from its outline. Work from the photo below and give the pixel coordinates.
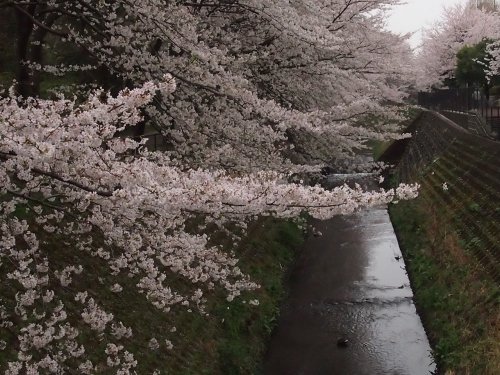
(350, 309)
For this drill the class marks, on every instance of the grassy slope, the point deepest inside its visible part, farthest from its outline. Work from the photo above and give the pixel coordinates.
(451, 239)
(231, 340)
(459, 301)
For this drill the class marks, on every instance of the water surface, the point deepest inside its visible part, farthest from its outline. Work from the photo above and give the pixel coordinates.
(350, 283)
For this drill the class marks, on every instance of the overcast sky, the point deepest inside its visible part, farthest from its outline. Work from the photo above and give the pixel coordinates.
(417, 14)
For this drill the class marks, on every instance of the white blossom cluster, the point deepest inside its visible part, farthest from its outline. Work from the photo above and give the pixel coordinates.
(246, 95)
(312, 74)
(60, 70)
(460, 26)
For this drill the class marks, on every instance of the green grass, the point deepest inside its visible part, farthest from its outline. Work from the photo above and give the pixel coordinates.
(378, 148)
(230, 340)
(267, 253)
(459, 302)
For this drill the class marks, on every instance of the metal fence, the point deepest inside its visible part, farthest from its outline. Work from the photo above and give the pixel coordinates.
(465, 100)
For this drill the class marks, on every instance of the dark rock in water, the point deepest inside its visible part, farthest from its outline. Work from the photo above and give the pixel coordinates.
(342, 342)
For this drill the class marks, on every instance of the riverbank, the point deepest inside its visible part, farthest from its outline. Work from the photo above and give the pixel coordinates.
(457, 299)
(230, 340)
(450, 237)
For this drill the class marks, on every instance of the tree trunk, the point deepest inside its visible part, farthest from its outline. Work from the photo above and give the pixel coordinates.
(24, 30)
(36, 56)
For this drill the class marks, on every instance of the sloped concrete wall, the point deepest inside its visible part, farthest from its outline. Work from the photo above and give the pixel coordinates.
(459, 174)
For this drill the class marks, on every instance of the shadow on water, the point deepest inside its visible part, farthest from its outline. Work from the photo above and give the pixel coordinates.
(350, 284)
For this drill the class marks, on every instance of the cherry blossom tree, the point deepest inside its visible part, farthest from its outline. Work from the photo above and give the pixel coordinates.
(248, 72)
(460, 26)
(245, 93)
(493, 68)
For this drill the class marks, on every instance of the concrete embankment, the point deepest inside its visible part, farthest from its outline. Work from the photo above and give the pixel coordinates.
(460, 176)
(450, 237)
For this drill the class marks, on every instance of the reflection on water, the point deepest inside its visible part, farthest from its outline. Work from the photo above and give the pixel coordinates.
(350, 283)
